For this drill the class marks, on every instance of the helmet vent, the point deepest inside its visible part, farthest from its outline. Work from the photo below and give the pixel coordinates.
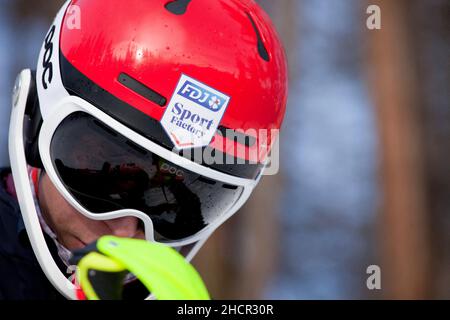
(237, 136)
(262, 50)
(142, 89)
(229, 186)
(177, 7)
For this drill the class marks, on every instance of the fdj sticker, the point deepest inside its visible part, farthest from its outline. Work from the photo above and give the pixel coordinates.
(194, 113)
(203, 97)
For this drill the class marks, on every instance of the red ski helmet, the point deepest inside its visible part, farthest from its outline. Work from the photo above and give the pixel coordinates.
(129, 88)
(127, 57)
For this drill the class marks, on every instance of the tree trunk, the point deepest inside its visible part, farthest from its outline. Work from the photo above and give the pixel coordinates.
(404, 223)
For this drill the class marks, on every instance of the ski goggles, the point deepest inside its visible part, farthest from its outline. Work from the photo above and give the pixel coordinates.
(107, 171)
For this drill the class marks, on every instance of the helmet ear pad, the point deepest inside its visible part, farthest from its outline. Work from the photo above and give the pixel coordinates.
(32, 125)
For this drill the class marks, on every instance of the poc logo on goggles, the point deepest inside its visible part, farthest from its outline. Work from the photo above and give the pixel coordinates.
(201, 96)
(168, 169)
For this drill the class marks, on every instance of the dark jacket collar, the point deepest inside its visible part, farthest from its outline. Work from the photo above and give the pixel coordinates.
(12, 202)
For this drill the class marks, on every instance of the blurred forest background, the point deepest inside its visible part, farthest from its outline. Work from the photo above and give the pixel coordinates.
(365, 154)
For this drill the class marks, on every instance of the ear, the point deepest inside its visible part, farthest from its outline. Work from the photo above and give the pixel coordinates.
(32, 125)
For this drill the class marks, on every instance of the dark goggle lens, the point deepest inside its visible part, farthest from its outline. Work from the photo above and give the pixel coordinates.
(105, 172)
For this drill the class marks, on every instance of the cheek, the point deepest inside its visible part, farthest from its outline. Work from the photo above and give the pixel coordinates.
(71, 242)
(62, 211)
(59, 208)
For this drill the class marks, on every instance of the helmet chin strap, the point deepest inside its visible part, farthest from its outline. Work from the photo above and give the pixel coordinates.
(19, 169)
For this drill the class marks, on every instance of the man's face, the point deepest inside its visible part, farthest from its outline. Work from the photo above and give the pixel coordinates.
(74, 230)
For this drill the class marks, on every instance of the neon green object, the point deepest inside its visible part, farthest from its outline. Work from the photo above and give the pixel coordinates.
(163, 271)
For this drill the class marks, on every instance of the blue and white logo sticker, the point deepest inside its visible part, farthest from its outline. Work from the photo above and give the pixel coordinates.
(194, 113)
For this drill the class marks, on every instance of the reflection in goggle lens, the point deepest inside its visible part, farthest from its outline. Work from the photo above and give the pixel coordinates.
(105, 172)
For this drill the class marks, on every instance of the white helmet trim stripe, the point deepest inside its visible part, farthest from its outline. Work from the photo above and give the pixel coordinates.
(48, 63)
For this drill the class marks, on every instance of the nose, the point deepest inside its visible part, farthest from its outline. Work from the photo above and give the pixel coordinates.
(124, 227)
